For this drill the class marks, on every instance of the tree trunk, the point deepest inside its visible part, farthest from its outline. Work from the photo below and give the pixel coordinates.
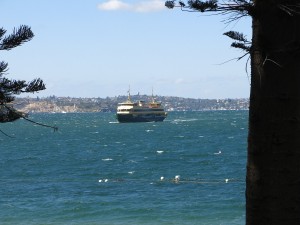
(273, 166)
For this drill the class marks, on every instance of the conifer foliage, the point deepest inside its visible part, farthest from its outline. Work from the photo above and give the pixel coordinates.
(10, 87)
(272, 178)
(235, 9)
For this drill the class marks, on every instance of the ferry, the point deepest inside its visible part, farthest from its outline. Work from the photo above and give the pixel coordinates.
(140, 111)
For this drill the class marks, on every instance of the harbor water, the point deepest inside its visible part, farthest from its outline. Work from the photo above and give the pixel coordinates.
(94, 170)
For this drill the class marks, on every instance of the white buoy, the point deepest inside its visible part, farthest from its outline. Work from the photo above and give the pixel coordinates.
(100, 181)
(177, 178)
(105, 180)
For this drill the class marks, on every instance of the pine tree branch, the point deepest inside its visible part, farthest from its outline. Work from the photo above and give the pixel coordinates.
(291, 10)
(3, 68)
(55, 128)
(6, 134)
(34, 86)
(241, 46)
(14, 114)
(236, 36)
(8, 114)
(2, 32)
(18, 37)
(235, 8)
(8, 88)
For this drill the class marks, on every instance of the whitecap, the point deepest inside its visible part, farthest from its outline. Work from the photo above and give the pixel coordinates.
(108, 159)
(131, 172)
(132, 161)
(160, 152)
(186, 120)
(149, 130)
(105, 180)
(218, 153)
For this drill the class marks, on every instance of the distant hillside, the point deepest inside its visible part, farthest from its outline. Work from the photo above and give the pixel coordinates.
(55, 104)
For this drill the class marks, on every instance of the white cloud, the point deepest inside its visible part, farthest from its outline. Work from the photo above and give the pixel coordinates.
(113, 5)
(141, 6)
(148, 6)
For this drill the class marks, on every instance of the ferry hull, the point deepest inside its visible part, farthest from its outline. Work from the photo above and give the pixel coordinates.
(129, 118)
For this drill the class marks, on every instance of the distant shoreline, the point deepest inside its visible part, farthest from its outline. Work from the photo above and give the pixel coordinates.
(55, 104)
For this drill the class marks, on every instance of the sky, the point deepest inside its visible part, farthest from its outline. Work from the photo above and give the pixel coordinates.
(98, 48)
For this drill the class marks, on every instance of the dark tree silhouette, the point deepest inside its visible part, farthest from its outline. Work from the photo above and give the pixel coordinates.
(9, 88)
(273, 163)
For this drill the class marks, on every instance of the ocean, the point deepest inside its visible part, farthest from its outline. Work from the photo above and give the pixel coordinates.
(94, 170)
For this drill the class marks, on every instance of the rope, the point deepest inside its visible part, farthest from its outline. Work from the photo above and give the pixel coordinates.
(123, 180)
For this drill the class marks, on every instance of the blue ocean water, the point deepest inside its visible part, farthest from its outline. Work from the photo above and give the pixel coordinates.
(97, 171)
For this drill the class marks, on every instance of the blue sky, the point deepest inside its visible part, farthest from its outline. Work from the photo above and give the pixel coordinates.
(97, 48)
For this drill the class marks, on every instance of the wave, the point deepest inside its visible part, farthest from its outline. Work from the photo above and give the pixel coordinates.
(186, 120)
(108, 159)
(179, 136)
(149, 131)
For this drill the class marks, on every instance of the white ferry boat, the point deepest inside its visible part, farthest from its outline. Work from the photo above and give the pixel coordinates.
(140, 111)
